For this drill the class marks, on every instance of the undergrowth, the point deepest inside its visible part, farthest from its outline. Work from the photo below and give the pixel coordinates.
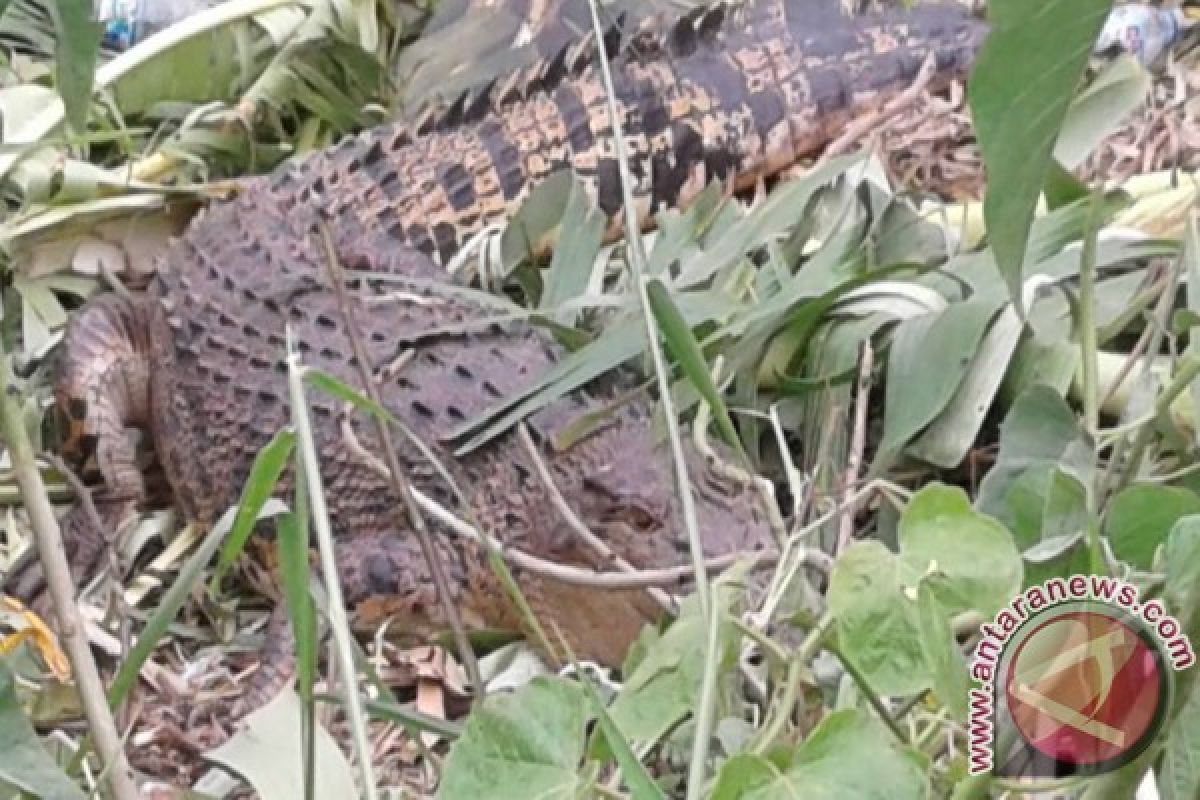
(941, 419)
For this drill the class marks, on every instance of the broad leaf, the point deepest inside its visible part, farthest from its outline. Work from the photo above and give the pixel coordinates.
(969, 558)
(943, 657)
(1140, 517)
(1019, 92)
(24, 763)
(877, 623)
(850, 755)
(1040, 430)
(268, 753)
(1179, 773)
(929, 357)
(964, 559)
(520, 745)
(1182, 588)
(1100, 109)
(665, 685)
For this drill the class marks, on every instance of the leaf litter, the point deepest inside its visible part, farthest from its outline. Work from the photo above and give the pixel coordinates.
(925, 145)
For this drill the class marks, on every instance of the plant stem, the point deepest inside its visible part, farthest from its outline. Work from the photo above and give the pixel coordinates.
(62, 591)
(1085, 320)
(399, 481)
(338, 621)
(782, 709)
(876, 703)
(637, 260)
(1188, 369)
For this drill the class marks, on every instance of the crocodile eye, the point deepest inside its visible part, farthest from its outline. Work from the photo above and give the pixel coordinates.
(642, 519)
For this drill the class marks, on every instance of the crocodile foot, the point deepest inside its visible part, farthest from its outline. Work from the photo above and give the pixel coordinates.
(86, 537)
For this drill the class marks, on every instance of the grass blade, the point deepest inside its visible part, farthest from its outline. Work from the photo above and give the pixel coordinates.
(264, 475)
(686, 350)
(338, 620)
(75, 59)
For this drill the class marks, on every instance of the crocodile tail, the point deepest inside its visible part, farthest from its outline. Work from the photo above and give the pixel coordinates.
(734, 97)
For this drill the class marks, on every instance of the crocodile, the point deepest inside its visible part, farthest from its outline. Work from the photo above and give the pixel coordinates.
(733, 94)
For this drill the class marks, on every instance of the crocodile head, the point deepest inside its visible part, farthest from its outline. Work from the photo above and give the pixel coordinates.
(619, 482)
(629, 498)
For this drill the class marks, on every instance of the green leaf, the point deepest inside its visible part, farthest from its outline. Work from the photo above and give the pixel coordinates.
(268, 465)
(1040, 431)
(877, 623)
(850, 755)
(1050, 520)
(1119, 88)
(665, 685)
(266, 752)
(641, 785)
(292, 542)
(943, 658)
(1019, 92)
(24, 763)
(685, 349)
(970, 559)
(1182, 583)
(1179, 774)
(1062, 188)
(964, 559)
(745, 775)
(954, 431)
(537, 220)
(1140, 517)
(75, 61)
(578, 245)
(930, 355)
(623, 340)
(521, 745)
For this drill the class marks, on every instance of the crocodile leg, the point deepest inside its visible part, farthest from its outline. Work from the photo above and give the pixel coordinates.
(385, 581)
(101, 391)
(85, 538)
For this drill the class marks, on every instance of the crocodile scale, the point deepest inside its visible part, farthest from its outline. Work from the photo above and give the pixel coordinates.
(198, 361)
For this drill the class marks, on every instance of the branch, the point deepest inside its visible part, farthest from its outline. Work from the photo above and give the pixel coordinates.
(49, 541)
(397, 479)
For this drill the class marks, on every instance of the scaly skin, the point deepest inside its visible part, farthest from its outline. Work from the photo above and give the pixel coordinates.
(198, 360)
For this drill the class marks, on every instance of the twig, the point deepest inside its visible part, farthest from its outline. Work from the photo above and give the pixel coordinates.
(581, 529)
(858, 440)
(578, 576)
(637, 579)
(399, 481)
(58, 580)
(705, 706)
(869, 121)
(798, 666)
